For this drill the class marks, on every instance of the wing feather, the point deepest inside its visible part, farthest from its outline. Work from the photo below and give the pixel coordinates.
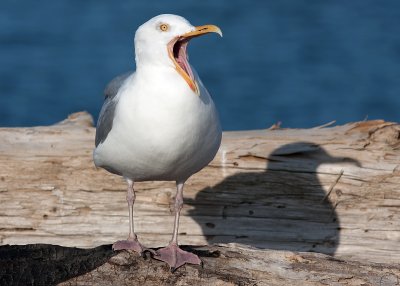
(106, 116)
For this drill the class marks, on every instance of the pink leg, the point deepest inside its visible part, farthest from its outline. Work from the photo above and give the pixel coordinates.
(132, 242)
(172, 254)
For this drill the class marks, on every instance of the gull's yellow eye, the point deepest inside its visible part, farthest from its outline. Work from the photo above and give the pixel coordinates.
(164, 27)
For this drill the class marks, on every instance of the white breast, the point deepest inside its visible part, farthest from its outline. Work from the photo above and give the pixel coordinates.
(166, 133)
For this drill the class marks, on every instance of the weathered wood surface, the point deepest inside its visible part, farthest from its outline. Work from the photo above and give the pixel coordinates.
(222, 265)
(265, 188)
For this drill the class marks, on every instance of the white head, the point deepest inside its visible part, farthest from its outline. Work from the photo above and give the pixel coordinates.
(163, 40)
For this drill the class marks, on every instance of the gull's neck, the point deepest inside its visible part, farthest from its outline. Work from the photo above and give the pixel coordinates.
(155, 56)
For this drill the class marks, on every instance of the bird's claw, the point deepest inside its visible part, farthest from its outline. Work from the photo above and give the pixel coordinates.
(132, 244)
(176, 257)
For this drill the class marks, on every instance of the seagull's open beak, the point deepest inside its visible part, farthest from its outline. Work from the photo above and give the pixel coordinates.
(177, 53)
(201, 30)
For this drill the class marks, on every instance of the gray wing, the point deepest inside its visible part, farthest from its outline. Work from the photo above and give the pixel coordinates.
(106, 116)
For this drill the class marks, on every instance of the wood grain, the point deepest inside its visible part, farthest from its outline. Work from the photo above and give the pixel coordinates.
(265, 188)
(223, 265)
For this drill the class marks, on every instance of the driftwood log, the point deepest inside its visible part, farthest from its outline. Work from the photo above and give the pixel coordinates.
(332, 190)
(223, 265)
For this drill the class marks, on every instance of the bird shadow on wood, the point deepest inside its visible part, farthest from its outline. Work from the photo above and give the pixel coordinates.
(282, 208)
(46, 264)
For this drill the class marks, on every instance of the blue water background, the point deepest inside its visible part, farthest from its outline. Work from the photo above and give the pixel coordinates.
(303, 63)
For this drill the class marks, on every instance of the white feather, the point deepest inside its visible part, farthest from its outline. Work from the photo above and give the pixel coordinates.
(162, 130)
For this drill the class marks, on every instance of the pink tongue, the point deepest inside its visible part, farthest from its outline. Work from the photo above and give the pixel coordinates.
(182, 60)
